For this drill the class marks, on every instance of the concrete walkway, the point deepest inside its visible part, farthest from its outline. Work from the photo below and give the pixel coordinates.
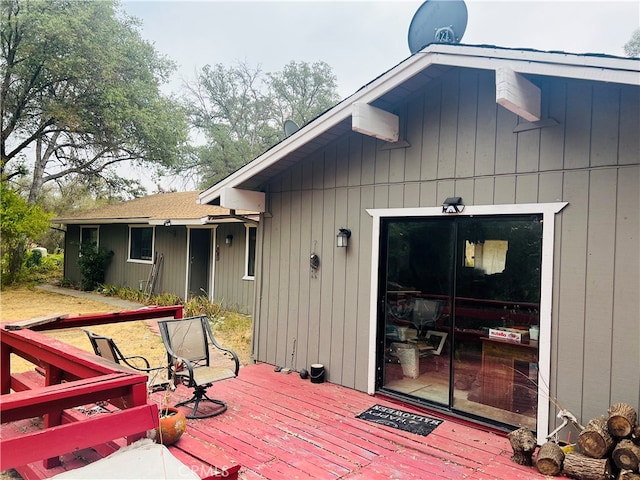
(96, 297)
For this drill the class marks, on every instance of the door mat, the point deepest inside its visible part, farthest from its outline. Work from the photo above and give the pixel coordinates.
(406, 421)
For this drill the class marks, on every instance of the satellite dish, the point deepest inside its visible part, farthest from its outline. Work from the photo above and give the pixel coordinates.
(437, 21)
(290, 127)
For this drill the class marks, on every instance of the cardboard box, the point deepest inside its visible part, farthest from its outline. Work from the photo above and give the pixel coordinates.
(511, 335)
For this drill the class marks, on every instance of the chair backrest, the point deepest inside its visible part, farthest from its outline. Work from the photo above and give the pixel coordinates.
(187, 338)
(104, 347)
(425, 311)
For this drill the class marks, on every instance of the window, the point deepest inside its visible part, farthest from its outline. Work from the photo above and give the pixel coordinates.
(250, 255)
(89, 236)
(141, 244)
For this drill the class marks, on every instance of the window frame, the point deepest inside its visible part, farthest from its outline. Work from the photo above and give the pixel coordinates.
(131, 259)
(88, 227)
(247, 251)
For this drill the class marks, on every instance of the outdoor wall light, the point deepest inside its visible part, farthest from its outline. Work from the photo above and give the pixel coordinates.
(453, 205)
(229, 240)
(167, 223)
(342, 239)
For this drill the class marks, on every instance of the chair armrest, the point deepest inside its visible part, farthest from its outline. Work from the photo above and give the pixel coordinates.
(139, 357)
(186, 366)
(229, 351)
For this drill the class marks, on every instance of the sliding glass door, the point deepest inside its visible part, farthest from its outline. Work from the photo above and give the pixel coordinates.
(459, 314)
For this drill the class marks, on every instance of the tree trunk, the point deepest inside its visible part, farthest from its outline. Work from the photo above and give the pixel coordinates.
(523, 444)
(585, 468)
(626, 455)
(595, 441)
(622, 420)
(549, 460)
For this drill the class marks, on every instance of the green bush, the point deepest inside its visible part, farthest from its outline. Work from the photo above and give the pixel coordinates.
(93, 264)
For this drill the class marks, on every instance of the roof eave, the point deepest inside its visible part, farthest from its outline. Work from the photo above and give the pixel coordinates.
(558, 64)
(99, 221)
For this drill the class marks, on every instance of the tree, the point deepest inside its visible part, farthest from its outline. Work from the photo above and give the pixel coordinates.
(240, 112)
(80, 93)
(19, 223)
(632, 47)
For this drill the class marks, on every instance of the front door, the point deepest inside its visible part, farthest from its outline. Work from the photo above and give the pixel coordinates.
(459, 314)
(199, 261)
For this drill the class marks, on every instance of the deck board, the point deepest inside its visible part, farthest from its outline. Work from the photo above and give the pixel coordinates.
(281, 426)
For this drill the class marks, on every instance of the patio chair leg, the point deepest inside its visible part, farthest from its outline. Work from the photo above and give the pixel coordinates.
(199, 395)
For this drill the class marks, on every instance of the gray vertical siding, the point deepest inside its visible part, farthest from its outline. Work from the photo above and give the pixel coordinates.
(170, 242)
(463, 144)
(229, 287)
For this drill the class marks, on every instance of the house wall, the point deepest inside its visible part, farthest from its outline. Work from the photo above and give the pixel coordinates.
(230, 288)
(463, 144)
(170, 242)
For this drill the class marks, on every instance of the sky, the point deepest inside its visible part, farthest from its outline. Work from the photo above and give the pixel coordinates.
(362, 39)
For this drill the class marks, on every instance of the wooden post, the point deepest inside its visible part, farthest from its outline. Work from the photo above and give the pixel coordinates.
(53, 376)
(626, 455)
(622, 419)
(550, 458)
(586, 468)
(523, 444)
(595, 440)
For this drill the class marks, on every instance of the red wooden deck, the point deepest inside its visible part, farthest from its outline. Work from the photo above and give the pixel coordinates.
(279, 426)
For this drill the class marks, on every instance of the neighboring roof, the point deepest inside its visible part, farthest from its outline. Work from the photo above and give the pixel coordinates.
(180, 208)
(411, 74)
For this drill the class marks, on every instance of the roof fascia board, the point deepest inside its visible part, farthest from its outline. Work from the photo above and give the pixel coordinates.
(340, 112)
(520, 61)
(550, 69)
(178, 221)
(99, 221)
(537, 57)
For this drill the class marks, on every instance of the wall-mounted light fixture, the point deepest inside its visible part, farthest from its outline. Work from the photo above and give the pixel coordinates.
(229, 240)
(453, 205)
(342, 239)
(167, 223)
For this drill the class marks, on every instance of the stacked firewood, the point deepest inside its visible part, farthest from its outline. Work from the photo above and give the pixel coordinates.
(607, 448)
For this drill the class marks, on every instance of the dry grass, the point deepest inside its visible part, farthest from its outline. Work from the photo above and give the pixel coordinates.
(133, 338)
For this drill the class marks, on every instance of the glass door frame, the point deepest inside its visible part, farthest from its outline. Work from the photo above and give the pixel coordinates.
(548, 211)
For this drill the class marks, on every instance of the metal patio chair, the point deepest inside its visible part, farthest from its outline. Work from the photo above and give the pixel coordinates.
(425, 313)
(187, 342)
(105, 347)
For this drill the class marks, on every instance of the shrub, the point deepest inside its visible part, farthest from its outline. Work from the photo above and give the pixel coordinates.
(92, 264)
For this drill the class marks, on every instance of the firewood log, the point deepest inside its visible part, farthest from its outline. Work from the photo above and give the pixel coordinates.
(622, 420)
(523, 444)
(635, 435)
(628, 475)
(626, 455)
(595, 440)
(549, 460)
(579, 466)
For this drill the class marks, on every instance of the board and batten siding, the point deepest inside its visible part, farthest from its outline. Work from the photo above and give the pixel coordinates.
(234, 292)
(463, 144)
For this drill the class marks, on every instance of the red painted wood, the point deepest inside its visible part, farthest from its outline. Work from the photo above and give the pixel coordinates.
(74, 436)
(206, 460)
(32, 403)
(88, 320)
(279, 426)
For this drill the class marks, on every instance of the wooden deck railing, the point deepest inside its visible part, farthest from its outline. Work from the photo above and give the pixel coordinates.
(70, 378)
